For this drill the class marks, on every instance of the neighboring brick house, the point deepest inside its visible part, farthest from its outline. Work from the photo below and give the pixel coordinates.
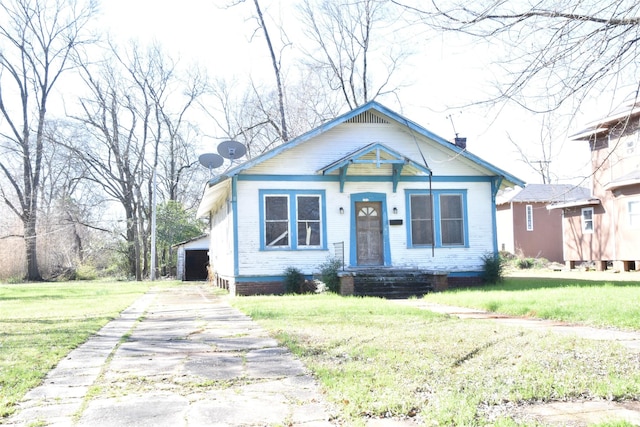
(604, 229)
(525, 225)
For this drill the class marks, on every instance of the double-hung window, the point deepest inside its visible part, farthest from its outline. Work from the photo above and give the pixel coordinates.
(421, 225)
(438, 217)
(634, 213)
(292, 219)
(529, 217)
(587, 220)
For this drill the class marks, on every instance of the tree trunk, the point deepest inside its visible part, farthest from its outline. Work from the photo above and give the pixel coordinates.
(30, 238)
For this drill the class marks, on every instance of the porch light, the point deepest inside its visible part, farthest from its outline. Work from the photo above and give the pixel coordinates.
(341, 210)
(395, 210)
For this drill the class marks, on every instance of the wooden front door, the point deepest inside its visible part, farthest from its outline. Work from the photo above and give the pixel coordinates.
(369, 233)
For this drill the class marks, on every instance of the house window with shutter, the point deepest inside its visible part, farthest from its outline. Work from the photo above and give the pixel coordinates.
(292, 220)
(587, 220)
(529, 213)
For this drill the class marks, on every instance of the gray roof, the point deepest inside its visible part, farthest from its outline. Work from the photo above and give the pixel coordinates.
(544, 193)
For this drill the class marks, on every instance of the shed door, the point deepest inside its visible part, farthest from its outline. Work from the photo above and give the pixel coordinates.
(369, 233)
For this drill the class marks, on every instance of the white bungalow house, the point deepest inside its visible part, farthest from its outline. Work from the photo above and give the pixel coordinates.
(370, 186)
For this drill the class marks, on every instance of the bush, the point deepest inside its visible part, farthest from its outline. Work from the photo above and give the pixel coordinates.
(329, 274)
(86, 272)
(525, 263)
(293, 281)
(493, 266)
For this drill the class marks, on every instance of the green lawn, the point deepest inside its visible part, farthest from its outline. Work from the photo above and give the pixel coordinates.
(602, 303)
(376, 358)
(41, 322)
(373, 357)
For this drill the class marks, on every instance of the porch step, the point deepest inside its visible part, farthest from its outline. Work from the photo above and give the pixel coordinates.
(393, 283)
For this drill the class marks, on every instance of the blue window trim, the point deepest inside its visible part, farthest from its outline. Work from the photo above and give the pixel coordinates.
(293, 229)
(436, 214)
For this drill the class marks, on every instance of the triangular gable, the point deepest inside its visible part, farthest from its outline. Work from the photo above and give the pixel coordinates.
(380, 112)
(374, 154)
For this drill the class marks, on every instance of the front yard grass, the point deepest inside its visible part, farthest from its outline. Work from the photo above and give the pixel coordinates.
(599, 303)
(41, 322)
(376, 358)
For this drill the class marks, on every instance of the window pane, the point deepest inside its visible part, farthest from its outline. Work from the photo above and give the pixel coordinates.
(421, 232)
(308, 220)
(276, 221)
(451, 206)
(276, 208)
(634, 214)
(420, 207)
(421, 229)
(451, 220)
(308, 233)
(277, 233)
(452, 233)
(309, 208)
(587, 220)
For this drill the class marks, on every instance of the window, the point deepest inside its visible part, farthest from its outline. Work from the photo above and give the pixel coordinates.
(451, 219)
(587, 220)
(292, 220)
(440, 215)
(529, 210)
(308, 220)
(276, 221)
(634, 213)
(421, 228)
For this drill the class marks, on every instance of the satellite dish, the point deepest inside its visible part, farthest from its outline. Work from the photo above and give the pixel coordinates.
(210, 160)
(231, 149)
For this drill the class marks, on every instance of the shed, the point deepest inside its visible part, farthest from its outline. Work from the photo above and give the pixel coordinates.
(193, 259)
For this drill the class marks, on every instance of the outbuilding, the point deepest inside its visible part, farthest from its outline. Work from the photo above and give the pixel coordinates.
(193, 259)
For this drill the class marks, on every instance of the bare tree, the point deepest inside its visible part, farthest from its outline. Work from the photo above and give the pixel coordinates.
(135, 120)
(114, 149)
(355, 46)
(37, 39)
(557, 52)
(275, 63)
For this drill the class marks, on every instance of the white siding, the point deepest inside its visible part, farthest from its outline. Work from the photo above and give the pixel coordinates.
(506, 239)
(221, 246)
(337, 143)
(310, 156)
(253, 261)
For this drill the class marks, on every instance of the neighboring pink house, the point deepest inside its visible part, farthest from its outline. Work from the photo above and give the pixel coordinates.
(525, 225)
(604, 228)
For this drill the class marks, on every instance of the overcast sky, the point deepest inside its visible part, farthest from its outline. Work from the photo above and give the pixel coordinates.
(448, 73)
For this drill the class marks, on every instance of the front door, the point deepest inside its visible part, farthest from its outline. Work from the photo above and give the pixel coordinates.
(369, 233)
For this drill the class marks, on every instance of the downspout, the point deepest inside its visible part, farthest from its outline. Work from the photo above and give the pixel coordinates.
(234, 211)
(433, 231)
(496, 182)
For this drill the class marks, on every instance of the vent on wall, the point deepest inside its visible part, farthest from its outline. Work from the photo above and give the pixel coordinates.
(367, 117)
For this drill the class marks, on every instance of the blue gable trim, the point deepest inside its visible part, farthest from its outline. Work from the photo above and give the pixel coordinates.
(396, 160)
(391, 115)
(365, 178)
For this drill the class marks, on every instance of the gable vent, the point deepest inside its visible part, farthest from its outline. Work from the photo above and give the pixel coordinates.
(367, 117)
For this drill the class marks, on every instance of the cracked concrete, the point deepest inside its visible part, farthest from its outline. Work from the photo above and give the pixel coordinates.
(177, 357)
